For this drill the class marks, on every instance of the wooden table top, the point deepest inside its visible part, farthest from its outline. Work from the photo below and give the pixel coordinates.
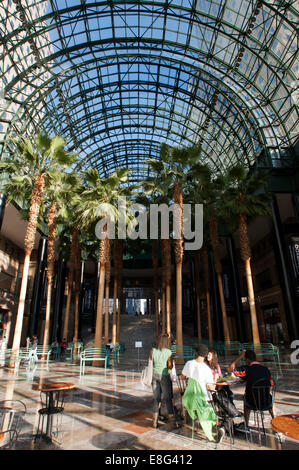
(53, 386)
(287, 425)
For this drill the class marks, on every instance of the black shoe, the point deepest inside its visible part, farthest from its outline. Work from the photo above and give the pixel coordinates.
(242, 428)
(221, 434)
(162, 418)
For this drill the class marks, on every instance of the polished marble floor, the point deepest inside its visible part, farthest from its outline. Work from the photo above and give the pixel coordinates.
(110, 410)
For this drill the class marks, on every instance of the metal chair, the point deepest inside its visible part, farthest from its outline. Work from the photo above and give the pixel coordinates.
(12, 413)
(182, 383)
(263, 398)
(225, 419)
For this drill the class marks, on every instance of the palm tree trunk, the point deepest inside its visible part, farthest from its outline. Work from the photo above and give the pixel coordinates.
(206, 275)
(74, 247)
(106, 329)
(156, 306)
(179, 324)
(119, 289)
(77, 298)
(19, 321)
(218, 268)
(179, 253)
(197, 288)
(166, 256)
(245, 252)
(107, 285)
(100, 302)
(156, 285)
(68, 305)
(210, 329)
(48, 312)
(120, 296)
(163, 296)
(117, 263)
(50, 267)
(28, 246)
(114, 319)
(223, 309)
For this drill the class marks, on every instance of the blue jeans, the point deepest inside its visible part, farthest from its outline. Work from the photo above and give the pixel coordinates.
(162, 388)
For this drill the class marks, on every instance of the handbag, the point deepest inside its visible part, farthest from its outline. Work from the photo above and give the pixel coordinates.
(147, 374)
(173, 374)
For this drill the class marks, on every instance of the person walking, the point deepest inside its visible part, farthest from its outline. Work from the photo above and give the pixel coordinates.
(161, 356)
(28, 342)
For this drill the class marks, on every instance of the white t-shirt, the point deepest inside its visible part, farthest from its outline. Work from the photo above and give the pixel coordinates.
(201, 372)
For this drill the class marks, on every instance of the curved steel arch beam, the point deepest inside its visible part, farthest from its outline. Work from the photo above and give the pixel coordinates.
(211, 84)
(113, 113)
(235, 80)
(213, 26)
(117, 128)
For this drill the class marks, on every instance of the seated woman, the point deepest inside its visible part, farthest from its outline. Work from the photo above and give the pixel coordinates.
(212, 362)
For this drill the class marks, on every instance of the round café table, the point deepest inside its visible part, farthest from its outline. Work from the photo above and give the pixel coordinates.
(288, 425)
(230, 383)
(52, 405)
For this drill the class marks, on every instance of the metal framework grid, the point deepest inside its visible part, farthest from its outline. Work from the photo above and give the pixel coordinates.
(116, 79)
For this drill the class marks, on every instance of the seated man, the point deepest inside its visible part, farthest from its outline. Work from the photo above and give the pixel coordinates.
(63, 345)
(55, 348)
(110, 345)
(197, 396)
(255, 375)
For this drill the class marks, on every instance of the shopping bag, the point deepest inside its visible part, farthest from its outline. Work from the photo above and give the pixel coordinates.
(147, 374)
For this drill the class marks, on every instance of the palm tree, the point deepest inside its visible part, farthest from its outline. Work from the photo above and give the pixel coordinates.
(50, 266)
(166, 268)
(206, 277)
(31, 170)
(70, 278)
(107, 285)
(56, 196)
(72, 201)
(172, 172)
(244, 198)
(117, 273)
(214, 237)
(197, 291)
(207, 189)
(101, 193)
(119, 276)
(77, 295)
(156, 285)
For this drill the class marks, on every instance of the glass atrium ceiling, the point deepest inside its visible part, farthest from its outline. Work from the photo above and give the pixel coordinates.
(116, 79)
